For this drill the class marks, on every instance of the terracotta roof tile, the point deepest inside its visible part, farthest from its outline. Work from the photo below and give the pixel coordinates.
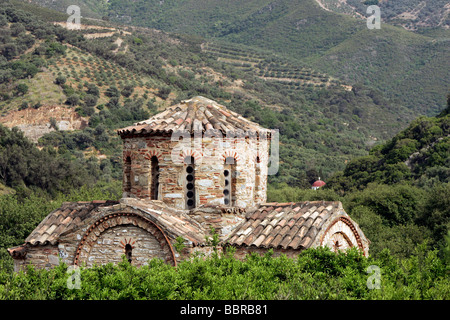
(196, 114)
(68, 216)
(286, 241)
(276, 241)
(286, 225)
(258, 241)
(305, 243)
(72, 215)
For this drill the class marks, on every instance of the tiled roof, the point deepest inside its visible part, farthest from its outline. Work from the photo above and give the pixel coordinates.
(319, 183)
(175, 222)
(284, 225)
(195, 115)
(72, 215)
(272, 225)
(68, 216)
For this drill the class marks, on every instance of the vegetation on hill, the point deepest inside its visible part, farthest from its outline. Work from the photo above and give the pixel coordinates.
(419, 154)
(410, 14)
(399, 193)
(322, 124)
(390, 59)
(23, 166)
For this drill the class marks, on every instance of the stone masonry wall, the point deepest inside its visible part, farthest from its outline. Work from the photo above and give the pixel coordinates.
(209, 154)
(42, 257)
(110, 246)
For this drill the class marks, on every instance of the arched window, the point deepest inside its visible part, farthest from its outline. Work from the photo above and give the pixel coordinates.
(257, 177)
(128, 252)
(155, 178)
(229, 175)
(127, 175)
(190, 182)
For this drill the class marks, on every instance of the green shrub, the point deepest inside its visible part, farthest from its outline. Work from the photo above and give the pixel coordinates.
(314, 274)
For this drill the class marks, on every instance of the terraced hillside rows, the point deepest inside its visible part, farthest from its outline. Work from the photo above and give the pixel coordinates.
(410, 14)
(110, 85)
(79, 68)
(268, 66)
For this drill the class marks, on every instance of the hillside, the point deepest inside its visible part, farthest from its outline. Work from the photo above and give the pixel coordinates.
(338, 45)
(410, 14)
(420, 154)
(96, 84)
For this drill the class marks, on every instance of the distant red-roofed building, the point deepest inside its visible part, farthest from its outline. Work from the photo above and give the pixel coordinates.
(318, 184)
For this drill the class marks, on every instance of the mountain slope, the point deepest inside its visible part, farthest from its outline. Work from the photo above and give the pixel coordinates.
(419, 154)
(410, 14)
(303, 30)
(114, 80)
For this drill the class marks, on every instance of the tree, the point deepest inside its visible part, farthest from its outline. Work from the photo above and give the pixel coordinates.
(73, 100)
(164, 92)
(22, 89)
(9, 51)
(16, 29)
(60, 80)
(90, 100)
(127, 91)
(112, 92)
(92, 89)
(3, 20)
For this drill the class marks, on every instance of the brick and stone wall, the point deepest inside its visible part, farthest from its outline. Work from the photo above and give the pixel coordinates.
(42, 257)
(222, 219)
(209, 153)
(110, 246)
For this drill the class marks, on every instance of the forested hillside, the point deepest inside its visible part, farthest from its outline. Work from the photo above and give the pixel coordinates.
(420, 154)
(402, 64)
(399, 193)
(414, 15)
(322, 124)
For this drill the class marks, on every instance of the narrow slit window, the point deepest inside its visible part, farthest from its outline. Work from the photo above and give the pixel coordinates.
(190, 182)
(127, 175)
(257, 177)
(155, 178)
(229, 175)
(128, 252)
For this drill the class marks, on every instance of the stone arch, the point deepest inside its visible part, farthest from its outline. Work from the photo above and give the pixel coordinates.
(129, 154)
(153, 153)
(343, 230)
(98, 228)
(198, 156)
(231, 154)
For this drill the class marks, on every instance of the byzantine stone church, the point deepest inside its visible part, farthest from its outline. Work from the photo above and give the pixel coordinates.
(193, 167)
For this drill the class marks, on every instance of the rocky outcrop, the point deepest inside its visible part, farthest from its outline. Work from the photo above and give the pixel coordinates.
(37, 122)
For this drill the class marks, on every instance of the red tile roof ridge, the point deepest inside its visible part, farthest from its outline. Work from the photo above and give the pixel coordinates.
(195, 111)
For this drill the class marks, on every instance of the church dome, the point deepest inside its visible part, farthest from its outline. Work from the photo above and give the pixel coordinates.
(198, 114)
(196, 153)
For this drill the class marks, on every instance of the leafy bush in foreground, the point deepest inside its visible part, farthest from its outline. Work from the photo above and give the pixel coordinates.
(314, 274)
